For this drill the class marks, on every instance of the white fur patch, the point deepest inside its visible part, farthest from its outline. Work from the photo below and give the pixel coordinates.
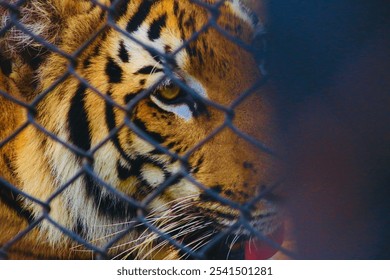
(196, 86)
(241, 11)
(153, 175)
(181, 110)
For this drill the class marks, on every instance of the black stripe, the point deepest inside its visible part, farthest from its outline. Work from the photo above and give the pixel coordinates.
(217, 188)
(147, 70)
(35, 56)
(124, 172)
(113, 71)
(168, 49)
(156, 107)
(120, 8)
(8, 163)
(141, 14)
(108, 204)
(180, 19)
(136, 165)
(87, 62)
(79, 228)
(156, 152)
(14, 201)
(78, 120)
(190, 24)
(176, 180)
(93, 6)
(96, 51)
(198, 165)
(154, 135)
(111, 124)
(102, 15)
(156, 27)
(192, 50)
(175, 8)
(130, 96)
(123, 53)
(5, 65)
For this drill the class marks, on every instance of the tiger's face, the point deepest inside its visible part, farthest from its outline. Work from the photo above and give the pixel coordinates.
(158, 128)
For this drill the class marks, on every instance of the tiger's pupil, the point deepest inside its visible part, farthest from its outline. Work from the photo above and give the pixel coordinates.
(170, 92)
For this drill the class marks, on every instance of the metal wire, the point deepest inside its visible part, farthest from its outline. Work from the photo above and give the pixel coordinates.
(13, 8)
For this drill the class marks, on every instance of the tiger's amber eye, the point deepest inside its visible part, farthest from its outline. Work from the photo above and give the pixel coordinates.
(170, 92)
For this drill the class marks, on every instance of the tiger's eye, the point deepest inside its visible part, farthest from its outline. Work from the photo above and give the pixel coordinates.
(170, 92)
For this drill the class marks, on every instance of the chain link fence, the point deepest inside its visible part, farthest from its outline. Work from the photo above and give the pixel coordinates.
(12, 196)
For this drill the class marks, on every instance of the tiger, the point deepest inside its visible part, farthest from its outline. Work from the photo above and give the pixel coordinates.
(133, 130)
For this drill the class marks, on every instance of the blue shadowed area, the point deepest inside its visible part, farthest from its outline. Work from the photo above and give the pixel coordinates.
(331, 63)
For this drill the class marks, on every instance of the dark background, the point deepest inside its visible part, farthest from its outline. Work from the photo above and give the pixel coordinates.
(331, 62)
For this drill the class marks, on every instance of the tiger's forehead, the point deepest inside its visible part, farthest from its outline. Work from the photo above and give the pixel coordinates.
(151, 28)
(134, 13)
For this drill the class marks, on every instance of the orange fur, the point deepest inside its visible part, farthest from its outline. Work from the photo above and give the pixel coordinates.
(40, 165)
